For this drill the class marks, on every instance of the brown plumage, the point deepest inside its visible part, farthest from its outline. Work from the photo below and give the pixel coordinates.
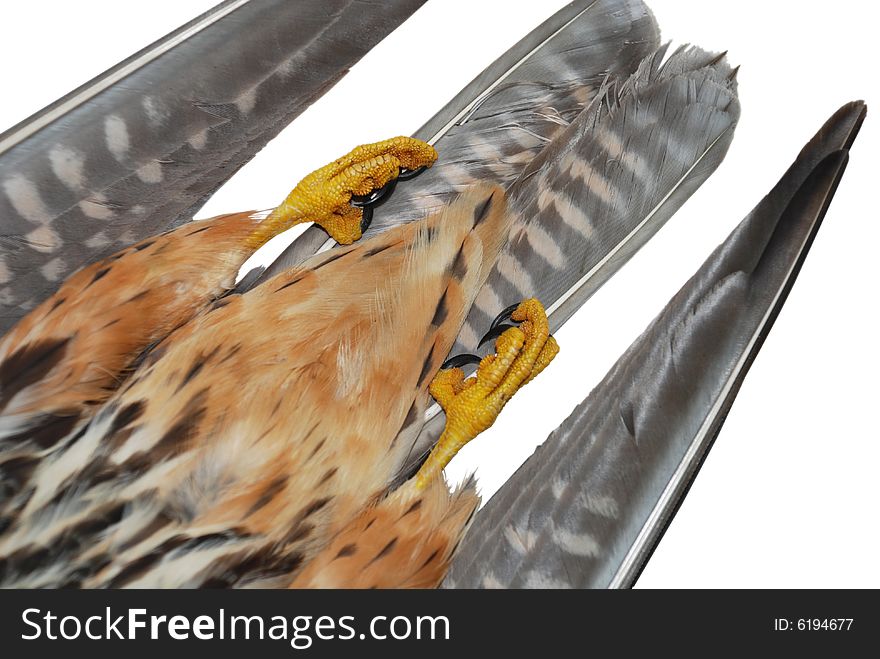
(70, 353)
(256, 442)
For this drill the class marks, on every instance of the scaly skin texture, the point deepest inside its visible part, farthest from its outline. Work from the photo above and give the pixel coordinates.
(473, 404)
(323, 196)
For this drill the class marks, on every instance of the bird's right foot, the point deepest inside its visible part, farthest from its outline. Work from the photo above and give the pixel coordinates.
(325, 195)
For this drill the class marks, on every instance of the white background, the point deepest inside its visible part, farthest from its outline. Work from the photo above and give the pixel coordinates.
(789, 494)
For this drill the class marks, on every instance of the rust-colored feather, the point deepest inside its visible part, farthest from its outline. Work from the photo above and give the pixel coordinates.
(70, 353)
(405, 541)
(252, 435)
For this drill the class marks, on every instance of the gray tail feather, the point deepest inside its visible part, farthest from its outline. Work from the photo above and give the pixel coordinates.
(604, 186)
(147, 151)
(496, 125)
(588, 507)
(601, 189)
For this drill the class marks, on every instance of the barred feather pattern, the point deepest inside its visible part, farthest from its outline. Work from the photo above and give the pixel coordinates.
(232, 455)
(497, 124)
(588, 507)
(145, 153)
(604, 186)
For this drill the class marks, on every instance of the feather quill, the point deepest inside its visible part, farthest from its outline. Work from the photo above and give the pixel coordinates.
(499, 122)
(603, 187)
(139, 149)
(589, 506)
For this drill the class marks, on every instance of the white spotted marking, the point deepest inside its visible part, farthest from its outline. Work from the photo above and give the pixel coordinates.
(96, 209)
(246, 102)
(126, 238)
(54, 269)
(98, 241)
(545, 197)
(511, 269)
(116, 136)
(577, 544)
(199, 140)
(574, 217)
(151, 172)
(604, 506)
(68, 166)
(44, 239)
(544, 245)
(558, 487)
(521, 542)
(596, 182)
(26, 200)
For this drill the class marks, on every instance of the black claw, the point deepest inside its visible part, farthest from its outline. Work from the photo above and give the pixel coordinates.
(376, 198)
(494, 333)
(380, 195)
(366, 218)
(503, 317)
(407, 174)
(460, 360)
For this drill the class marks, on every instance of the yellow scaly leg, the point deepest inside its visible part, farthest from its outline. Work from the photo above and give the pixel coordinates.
(323, 196)
(473, 404)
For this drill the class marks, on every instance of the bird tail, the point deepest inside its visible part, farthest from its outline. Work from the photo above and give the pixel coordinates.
(494, 127)
(604, 186)
(140, 148)
(594, 499)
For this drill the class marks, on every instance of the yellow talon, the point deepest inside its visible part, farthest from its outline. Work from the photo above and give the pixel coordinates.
(473, 404)
(323, 196)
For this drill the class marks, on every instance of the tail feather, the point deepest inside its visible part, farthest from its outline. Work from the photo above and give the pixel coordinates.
(595, 497)
(604, 186)
(494, 127)
(142, 147)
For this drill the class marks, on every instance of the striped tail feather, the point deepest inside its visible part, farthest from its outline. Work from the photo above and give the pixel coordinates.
(587, 509)
(499, 122)
(603, 187)
(139, 149)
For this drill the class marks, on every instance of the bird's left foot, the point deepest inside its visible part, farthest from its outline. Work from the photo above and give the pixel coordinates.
(473, 404)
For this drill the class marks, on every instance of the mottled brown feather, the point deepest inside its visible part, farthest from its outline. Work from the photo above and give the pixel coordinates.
(107, 313)
(263, 427)
(405, 541)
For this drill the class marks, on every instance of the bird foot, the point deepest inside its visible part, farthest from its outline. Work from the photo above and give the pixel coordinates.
(472, 404)
(325, 195)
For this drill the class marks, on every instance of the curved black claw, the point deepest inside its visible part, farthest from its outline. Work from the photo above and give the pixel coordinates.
(407, 174)
(504, 315)
(380, 195)
(376, 198)
(366, 218)
(499, 325)
(460, 360)
(494, 333)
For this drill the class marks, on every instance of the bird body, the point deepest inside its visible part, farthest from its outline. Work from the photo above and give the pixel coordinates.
(255, 433)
